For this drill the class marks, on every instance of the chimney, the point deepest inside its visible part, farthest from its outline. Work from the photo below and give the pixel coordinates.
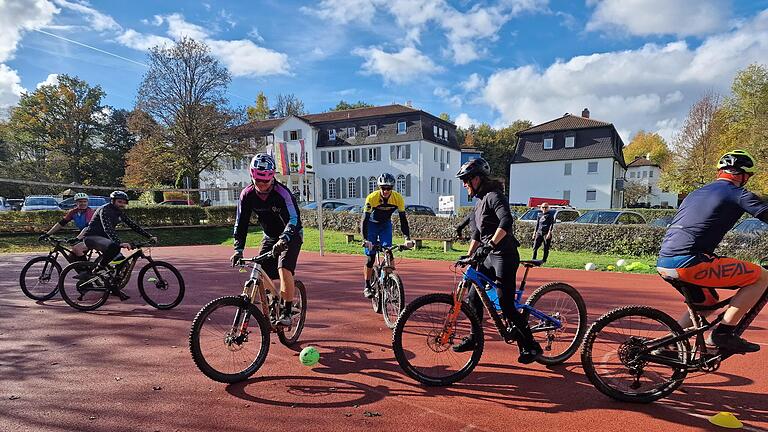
(585, 113)
(409, 104)
(648, 156)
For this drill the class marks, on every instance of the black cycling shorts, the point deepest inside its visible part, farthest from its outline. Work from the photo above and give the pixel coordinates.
(286, 260)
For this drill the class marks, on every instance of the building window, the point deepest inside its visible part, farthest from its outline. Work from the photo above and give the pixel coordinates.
(294, 162)
(591, 195)
(332, 134)
(434, 130)
(332, 189)
(567, 195)
(435, 152)
(450, 187)
(442, 155)
(400, 184)
(401, 128)
(645, 173)
(350, 132)
(372, 184)
(445, 186)
(548, 143)
(438, 185)
(432, 184)
(373, 153)
(591, 167)
(570, 141)
(293, 135)
(448, 157)
(632, 174)
(568, 168)
(650, 174)
(401, 152)
(371, 130)
(352, 156)
(352, 187)
(332, 158)
(445, 134)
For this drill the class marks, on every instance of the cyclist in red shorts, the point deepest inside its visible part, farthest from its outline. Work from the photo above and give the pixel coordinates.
(688, 249)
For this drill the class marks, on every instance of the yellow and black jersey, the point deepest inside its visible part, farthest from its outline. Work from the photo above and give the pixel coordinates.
(381, 208)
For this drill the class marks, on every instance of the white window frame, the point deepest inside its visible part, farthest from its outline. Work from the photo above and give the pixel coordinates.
(332, 134)
(550, 141)
(432, 184)
(570, 139)
(445, 185)
(568, 169)
(587, 196)
(445, 134)
(332, 189)
(645, 174)
(400, 184)
(371, 130)
(400, 152)
(332, 158)
(373, 154)
(294, 160)
(293, 135)
(351, 132)
(351, 156)
(450, 187)
(434, 130)
(597, 167)
(435, 152)
(438, 185)
(352, 187)
(404, 128)
(442, 155)
(372, 184)
(650, 174)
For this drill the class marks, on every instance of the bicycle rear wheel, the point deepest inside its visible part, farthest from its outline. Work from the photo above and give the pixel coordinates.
(613, 344)
(392, 299)
(417, 345)
(290, 335)
(85, 294)
(229, 339)
(161, 285)
(39, 279)
(563, 303)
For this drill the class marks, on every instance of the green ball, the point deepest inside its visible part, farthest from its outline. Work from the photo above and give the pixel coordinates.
(309, 356)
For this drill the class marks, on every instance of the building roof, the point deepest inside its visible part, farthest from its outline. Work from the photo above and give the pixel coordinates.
(533, 151)
(642, 162)
(565, 123)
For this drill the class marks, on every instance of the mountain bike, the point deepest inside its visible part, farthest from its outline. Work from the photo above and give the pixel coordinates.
(86, 287)
(641, 354)
(430, 325)
(389, 293)
(39, 279)
(229, 339)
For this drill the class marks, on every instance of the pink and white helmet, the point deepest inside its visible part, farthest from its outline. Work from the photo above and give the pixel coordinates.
(262, 167)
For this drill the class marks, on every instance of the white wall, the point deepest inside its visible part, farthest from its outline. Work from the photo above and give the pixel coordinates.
(652, 177)
(548, 180)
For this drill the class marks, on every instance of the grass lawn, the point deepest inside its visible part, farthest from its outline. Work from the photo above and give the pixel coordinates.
(334, 242)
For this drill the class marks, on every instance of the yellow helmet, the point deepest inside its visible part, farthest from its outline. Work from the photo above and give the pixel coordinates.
(739, 160)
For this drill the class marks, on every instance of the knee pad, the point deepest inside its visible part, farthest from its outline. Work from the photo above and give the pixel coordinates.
(369, 261)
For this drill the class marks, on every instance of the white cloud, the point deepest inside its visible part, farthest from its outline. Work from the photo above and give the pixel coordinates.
(18, 17)
(397, 67)
(343, 11)
(52, 79)
(178, 28)
(97, 20)
(446, 96)
(463, 120)
(10, 87)
(140, 41)
(245, 58)
(254, 34)
(649, 88)
(472, 83)
(649, 17)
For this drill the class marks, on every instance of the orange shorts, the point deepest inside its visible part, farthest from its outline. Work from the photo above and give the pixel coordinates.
(720, 272)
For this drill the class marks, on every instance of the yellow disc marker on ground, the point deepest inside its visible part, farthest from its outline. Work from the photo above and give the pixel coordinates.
(726, 420)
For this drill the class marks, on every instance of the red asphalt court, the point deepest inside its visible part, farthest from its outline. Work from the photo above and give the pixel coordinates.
(127, 367)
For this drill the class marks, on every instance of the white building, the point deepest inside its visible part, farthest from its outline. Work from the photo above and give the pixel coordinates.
(648, 174)
(573, 158)
(347, 151)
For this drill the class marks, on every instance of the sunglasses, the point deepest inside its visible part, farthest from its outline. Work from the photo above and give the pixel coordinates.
(261, 181)
(386, 188)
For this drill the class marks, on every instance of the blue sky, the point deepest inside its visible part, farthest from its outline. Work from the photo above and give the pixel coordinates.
(637, 63)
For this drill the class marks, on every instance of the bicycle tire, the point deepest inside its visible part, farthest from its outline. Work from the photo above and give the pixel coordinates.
(79, 267)
(581, 328)
(588, 364)
(390, 319)
(194, 340)
(302, 316)
(23, 283)
(402, 356)
(147, 298)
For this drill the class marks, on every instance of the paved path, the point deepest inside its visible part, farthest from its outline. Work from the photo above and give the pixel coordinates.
(127, 366)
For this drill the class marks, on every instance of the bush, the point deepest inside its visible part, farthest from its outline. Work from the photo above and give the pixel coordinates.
(220, 215)
(35, 221)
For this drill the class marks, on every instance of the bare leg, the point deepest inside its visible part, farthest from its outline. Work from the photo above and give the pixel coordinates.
(287, 285)
(744, 299)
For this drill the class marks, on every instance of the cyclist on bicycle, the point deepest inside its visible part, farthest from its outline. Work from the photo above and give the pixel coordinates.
(81, 214)
(279, 218)
(687, 251)
(100, 233)
(494, 247)
(376, 225)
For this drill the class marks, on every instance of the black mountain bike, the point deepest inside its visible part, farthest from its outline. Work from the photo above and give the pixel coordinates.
(641, 354)
(229, 339)
(39, 279)
(389, 293)
(84, 287)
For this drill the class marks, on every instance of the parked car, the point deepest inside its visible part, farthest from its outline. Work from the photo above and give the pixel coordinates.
(661, 222)
(419, 210)
(751, 226)
(562, 214)
(349, 208)
(327, 205)
(94, 201)
(611, 217)
(40, 202)
(15, 203)
(4, 205)
(176, 202)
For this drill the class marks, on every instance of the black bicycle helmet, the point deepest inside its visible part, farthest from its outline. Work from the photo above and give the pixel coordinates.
(474, 168)
(118, 195)
(738, 160)
(386, 179)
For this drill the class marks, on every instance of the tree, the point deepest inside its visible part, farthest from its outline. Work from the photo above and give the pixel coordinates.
(184, 94)
(343, 105)
(445, 116)
(261, 110)
(59, 124)
(644, 143)
(498, 146)
(116, 140)
(287, 105)
(635, 192)
(147, 162)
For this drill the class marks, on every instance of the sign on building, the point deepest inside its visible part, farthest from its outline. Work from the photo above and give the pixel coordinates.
(445, 203)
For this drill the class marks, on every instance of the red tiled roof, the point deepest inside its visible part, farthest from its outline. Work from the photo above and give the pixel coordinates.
(641, 161)
(565, 123)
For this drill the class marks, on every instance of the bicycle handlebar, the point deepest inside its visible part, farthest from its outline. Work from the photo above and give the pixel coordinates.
(379, 248)
(258, 259)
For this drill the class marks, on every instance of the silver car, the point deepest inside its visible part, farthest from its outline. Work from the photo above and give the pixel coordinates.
(40, 202)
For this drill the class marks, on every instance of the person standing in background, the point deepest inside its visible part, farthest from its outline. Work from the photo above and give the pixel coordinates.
(542, 235)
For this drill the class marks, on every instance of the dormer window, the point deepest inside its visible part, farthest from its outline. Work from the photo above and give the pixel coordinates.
(401, 128)
(350, 132)
(570, 141)
(332, 134)
(549, 142)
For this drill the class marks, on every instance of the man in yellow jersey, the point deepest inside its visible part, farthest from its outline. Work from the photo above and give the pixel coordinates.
(376, 226)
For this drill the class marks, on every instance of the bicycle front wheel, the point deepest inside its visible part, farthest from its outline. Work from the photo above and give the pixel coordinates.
(229, 339)
(563, 303)
(419, 350)
(611, 353)
(392, 299)
(161, 285)
(376, 299)
(290, 335)
(39, 279)
(80, 288)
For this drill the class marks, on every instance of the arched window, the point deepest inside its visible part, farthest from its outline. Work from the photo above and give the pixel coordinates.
(332, 189)
(400, 184)
(372, 184)
(352, 187)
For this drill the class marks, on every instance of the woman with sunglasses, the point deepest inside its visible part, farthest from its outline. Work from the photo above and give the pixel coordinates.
(494, 247)
(376, 226)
